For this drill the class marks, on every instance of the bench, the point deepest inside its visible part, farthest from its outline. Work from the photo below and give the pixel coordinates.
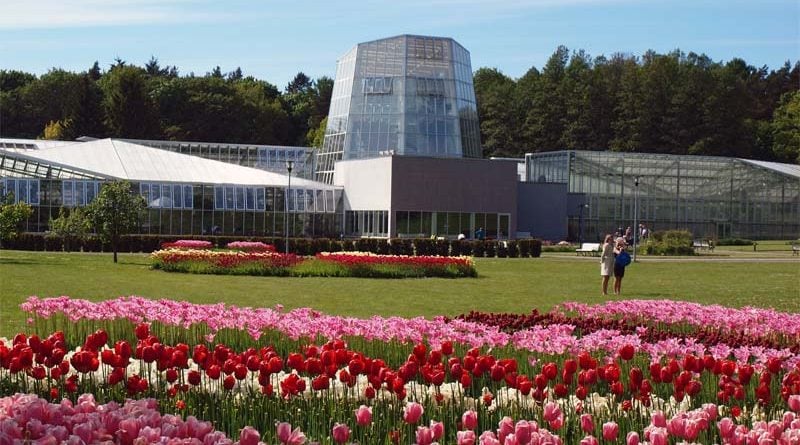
(702, 245)
(592, 249)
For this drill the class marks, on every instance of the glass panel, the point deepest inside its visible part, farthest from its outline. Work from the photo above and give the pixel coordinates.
(251, 198)
(155, 191)
(166, 196)
(229, 198)
(320, 200)
(80, 193)
(91, 192)
(240, 198)
(177, 196)
(219, 198)
(301, 203)
(310, 201)
(260, 201)
(426, 225)
(33, 191)
(188, 197)
(68, 193)
(329, 201)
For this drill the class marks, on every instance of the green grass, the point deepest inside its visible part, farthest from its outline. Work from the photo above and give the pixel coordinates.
(515, 285)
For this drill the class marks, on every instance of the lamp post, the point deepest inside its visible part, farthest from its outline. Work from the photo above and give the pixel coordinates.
(289, 167)
(580, 222)
(635, 215)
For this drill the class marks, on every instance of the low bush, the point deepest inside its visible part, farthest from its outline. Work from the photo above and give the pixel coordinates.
(670, 243)
(735, 242)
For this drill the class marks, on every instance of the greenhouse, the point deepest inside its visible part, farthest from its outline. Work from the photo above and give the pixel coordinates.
(713, 197)
(185, 194)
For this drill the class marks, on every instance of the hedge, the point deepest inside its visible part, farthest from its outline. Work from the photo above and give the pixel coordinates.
(523, 248)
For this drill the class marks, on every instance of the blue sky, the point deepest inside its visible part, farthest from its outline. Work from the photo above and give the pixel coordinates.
(273, 40)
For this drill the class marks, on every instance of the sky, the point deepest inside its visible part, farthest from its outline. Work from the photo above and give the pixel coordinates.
(273, 40)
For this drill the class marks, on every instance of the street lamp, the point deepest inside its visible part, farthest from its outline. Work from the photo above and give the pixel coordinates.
(635, 215)
(580, 222)
(289, 167)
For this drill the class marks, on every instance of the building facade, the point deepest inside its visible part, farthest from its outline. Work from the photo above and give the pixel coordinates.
(405, 95)
(713, 197)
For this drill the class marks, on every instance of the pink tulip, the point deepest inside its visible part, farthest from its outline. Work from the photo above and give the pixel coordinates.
(424, 435)
(412, 412)
(128, 431)
(504, 428)
(610, 431)
(794, 403)
(659, 436)
(340, 433)
(470, 419)
(511, 439)
(589, 440)
(587, 424)
(363, 415)
(558, 422)
(658, 419)
(632, 438)
(691, 430)
(788, 417)
(522, 431)
(287, 436)
(726, 427)
(712, 411)
(551, 411)
(249, 436)
(488, 438)
(437, 428)
(465, 437)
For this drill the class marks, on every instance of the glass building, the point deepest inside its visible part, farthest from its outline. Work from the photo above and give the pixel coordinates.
(713, 197)
(185, 195)
(406, 96)
(266, 157)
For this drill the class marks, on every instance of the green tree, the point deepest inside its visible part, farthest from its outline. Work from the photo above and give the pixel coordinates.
(115, 212)
(11, 216)
(316, 136)
(129, 109)
(71, 226)
(497, 112)
(786, 128)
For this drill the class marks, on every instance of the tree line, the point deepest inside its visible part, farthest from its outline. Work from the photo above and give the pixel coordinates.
(155, 102)
(659, 103)
(662, 103)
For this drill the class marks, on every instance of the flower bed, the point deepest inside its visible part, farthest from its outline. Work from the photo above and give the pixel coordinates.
(187, 244)
(261, 259)
(395, 393)
(251, 246)
(365, 264)
(224, 262)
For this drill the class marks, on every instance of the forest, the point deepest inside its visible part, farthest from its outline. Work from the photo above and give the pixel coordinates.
(658, 103)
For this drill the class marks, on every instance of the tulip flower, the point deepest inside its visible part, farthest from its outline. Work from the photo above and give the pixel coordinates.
(470, 420)
(794, 403)
(412, 412)
(437, 428)
(249, 436)
(287, 436)
(610, 431)
(424, 435)
(465, 437)
(632, 438)
(587, 424)
(589, 440)
(340, 433)
(363, 415)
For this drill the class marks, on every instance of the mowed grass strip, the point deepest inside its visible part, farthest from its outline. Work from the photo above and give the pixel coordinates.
(511, 285)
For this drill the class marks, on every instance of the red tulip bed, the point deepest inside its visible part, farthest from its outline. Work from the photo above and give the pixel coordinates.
(134, 370)
(261, 259)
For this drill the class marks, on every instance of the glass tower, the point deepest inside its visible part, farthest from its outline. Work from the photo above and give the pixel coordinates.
(405, 95)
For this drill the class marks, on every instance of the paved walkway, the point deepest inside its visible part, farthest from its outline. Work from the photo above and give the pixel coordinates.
(686, 259)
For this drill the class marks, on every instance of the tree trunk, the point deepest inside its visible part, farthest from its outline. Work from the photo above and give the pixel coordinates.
(114, 248)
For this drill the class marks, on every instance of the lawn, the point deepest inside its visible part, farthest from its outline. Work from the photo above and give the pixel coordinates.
(515, 285)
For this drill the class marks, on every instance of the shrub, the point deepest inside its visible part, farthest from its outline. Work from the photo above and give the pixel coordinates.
(513, 250)
(670, 242)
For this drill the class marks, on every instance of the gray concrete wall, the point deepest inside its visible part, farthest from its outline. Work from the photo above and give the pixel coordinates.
(542, 210)
(454, 185)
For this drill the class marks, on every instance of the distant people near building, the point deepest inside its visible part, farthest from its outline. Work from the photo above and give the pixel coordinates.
(621, 261)
(644, 232)
(480, 234)
(628, 236)
(461, 236)
(607, 262)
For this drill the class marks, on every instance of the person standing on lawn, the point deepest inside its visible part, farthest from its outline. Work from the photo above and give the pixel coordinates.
(607, 261)
(621, 261)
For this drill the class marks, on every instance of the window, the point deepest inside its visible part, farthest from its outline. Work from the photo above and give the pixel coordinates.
(80, 193)
(24, 190)
(250, 201)
(188, 197)
(239, 198)
(219, 198)
(260, 199)
(177, 196)
(376, 85)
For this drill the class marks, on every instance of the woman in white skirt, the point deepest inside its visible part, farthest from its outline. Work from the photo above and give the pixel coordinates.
(607, 262)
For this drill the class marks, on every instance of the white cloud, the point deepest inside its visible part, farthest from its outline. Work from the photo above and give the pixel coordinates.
(27, 14)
